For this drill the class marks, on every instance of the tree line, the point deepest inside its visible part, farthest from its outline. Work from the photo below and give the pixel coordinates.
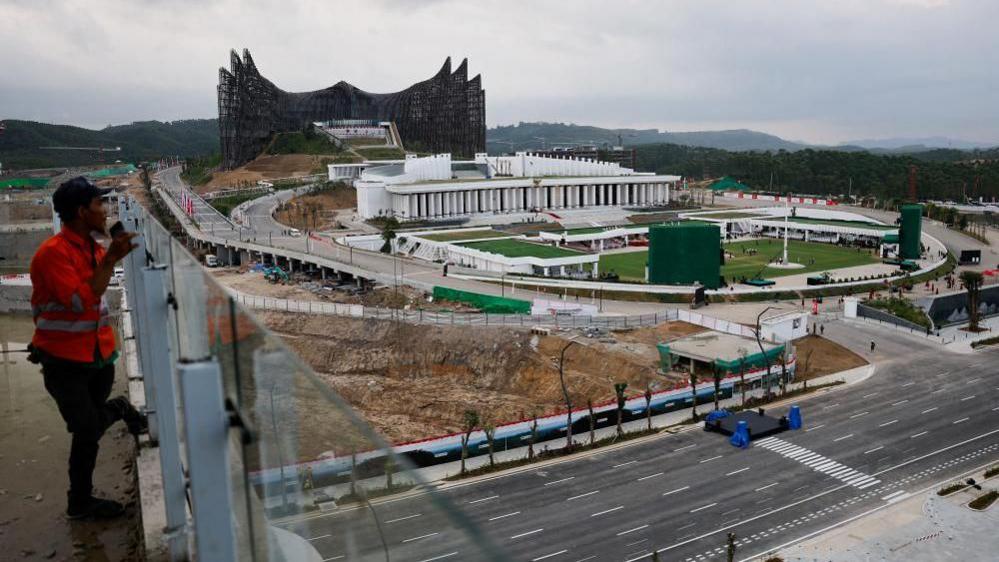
(833, 173)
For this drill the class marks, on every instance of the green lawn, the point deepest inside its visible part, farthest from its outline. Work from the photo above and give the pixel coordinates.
(853, 224)
(513, 248)
(631, 265)
(466, 235)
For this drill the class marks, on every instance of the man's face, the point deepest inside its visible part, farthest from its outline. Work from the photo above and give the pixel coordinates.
(95, 215)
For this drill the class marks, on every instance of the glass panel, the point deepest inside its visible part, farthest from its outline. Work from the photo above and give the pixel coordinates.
(308, 477)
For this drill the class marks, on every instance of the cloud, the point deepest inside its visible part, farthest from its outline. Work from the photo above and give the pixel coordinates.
(822, 72)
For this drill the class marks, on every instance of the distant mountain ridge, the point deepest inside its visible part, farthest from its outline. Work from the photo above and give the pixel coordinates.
(21, 144)
(539, 135)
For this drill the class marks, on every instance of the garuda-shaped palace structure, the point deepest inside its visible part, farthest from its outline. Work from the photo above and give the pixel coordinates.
(446, 113)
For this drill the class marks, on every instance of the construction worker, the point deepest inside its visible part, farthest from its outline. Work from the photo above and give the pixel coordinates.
(74, 341)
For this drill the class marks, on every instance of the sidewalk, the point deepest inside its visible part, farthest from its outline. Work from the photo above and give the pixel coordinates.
(922, 528)
(34, 448)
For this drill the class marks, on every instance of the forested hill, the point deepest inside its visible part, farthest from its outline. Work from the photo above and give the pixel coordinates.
(532, 136)
(21, 143)
(829, 172)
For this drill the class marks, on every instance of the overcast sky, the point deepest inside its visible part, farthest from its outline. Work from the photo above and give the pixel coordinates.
(825, 71)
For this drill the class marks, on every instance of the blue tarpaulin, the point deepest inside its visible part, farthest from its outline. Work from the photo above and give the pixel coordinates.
(717, 415)
(794, 418)
(740, 438)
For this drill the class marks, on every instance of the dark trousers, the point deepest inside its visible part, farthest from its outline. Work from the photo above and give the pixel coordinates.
(81, 395)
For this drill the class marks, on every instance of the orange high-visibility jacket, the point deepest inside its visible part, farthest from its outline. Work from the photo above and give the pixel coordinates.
(70, 321)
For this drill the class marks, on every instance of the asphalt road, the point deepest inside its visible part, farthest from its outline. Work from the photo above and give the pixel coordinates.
(924, 417)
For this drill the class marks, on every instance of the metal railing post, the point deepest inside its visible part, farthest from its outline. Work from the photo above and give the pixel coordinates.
(134, 264)
(206, 430)
(160, 374)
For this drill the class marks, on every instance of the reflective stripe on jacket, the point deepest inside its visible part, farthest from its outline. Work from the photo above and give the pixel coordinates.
(71, 322)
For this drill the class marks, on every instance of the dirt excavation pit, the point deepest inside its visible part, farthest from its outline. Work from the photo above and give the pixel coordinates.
(818, 356)
(414, 381)
(250, 282)
(316, 211)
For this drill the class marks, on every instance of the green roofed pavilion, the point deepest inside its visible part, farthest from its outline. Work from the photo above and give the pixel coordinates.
(708, 350)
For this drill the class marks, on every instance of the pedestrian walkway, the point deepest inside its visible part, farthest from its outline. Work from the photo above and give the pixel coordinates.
(818, 462)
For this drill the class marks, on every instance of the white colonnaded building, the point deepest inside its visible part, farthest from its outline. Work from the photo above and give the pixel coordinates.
(438, 187)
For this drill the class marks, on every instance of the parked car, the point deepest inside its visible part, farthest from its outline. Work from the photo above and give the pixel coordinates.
(211, 260)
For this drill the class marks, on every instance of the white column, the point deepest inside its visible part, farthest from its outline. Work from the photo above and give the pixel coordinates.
(596, 266)
(667, 194)
(620, 194)
(439, 203)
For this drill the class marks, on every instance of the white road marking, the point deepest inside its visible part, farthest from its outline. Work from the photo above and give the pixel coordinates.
(816, 461)
(558, 481)
(320, 537)
(908, 384)
(402, 518)
(624, 464)
(441, 557)
(420, 537)
(711, 459)
(634, 543)
(858, 415)
(874, 449)
(737, 471)
(869, 395)
(886, 424)
(676, 490)
(650, 476)
(830, 406)
(967, 398)
(893, 495)
(816, 427)
(765, 487)
(928, 411)
(900, 402)
(582, 495)
(341, 557)
(703, 507)
(527, 533)
(685, 447)
(607, 511)
(504, 516)
(962, 420)
(548, 555)
(972, 380)
(921, 433)
(587, 558)
(484, 499)
(632, 530)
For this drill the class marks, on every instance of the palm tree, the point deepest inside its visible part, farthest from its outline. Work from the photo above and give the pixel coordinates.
(693, 393)
(717, 375)
(972, 281)
(593, 422)
(619, 391)
(490, 430)
(648, 407)
(471, 421)
(742, 373)
(565, 394)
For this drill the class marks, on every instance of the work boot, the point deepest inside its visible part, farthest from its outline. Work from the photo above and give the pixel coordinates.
(136, 421)
(96, 508)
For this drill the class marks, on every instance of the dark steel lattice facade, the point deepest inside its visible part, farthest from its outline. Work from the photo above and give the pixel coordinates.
(446, 113)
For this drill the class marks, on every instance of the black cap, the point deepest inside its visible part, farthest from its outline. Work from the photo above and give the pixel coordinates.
(77, 192)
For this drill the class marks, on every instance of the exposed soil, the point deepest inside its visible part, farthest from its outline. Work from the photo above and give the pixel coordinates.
(264, 167)
(414, 381)
(818, 356)
(302, 289)
(316, 212)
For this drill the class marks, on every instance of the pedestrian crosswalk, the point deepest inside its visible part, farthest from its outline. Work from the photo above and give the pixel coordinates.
(818, 462)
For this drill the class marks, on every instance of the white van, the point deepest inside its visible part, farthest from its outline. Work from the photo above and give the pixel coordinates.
(211, 260)
(294, 232)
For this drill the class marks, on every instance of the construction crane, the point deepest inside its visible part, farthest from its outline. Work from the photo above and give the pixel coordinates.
(100, 150)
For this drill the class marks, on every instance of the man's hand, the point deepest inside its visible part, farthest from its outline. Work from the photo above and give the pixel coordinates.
(121, 246)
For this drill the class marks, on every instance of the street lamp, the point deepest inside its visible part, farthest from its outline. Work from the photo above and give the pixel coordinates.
(759, 342)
